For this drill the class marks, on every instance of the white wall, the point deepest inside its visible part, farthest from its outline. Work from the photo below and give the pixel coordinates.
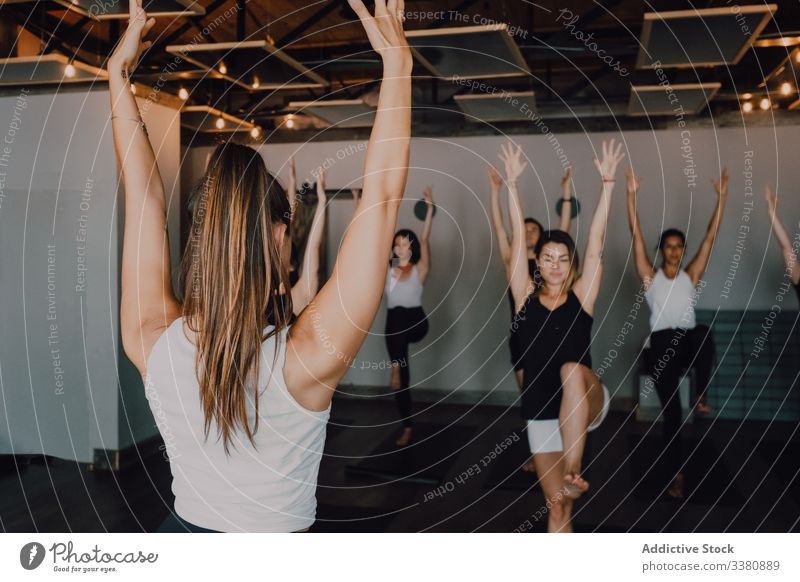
(61, 385)
(465, 297)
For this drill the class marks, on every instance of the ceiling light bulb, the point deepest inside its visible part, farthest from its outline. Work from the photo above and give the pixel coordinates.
(69, 71)
(223, 69)
(764, 104)
(747, 106)
(220, 123)
(290, 122)
(183, 93)
(786, 89)
(256, 83)
(255, 132)
(747, 96)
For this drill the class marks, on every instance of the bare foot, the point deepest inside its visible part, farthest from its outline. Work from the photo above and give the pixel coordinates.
(404, 438)
(676, 487)
(529, 466)
(575, 485)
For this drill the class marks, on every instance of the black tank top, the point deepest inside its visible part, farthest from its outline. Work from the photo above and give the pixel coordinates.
(549, 339)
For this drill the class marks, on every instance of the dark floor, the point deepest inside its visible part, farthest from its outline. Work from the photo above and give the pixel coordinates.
(460, 475)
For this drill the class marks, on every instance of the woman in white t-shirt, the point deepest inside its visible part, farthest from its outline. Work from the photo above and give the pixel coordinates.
(676, 341)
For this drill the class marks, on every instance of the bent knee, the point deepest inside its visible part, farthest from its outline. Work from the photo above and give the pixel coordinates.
(571, 370)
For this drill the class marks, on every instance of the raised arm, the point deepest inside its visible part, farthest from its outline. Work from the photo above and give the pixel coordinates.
(644, 266)
(328, 335)
(308, 284)
(567, 201)
(291, 187)
(147, 304)
(587, 286)
(356, 193)
(787, 250)
(424, 263)
(496, 184)
(519, 278)
(697, 267)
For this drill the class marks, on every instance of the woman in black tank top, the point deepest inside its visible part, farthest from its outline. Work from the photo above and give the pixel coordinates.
(787, 250)
(533, 230)
(555, 321)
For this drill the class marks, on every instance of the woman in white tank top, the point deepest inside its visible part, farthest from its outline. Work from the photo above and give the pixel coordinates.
(240, 398)
(406, 322)
(676, 341)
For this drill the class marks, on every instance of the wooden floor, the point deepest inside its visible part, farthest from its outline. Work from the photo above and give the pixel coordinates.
(742, 477)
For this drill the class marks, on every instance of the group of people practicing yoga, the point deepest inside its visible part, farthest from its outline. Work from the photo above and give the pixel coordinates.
(244, 363)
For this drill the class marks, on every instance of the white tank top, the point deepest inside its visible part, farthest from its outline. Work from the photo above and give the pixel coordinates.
(406, 293)
(670, 301)
(267, 488)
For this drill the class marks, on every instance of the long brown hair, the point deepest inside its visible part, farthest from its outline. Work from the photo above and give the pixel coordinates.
(232, 271)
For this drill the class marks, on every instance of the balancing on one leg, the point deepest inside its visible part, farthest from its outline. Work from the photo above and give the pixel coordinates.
(406, 322)
(562, 398)
(533, 230)
(676, 341)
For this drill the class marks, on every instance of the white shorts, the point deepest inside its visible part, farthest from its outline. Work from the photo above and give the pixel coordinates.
(544, 436)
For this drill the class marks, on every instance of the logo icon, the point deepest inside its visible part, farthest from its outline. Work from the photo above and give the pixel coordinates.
(31, 555)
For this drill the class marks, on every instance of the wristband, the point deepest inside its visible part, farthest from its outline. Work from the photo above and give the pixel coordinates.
(138, 121)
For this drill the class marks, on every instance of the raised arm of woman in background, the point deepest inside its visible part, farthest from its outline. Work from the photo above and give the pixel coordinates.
(566, 201)
(424, 263)
(644, 266)
(587, 286)
(308, 284)
(519, 280)
(328, 335)
(787, 250)
(697, 267)
(496, 184)
(147, 304)
(291, 186)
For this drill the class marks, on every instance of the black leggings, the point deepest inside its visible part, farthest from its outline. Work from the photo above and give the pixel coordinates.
(671, 352)
(404, 326)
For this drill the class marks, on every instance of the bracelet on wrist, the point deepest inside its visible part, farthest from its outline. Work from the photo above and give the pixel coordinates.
(137, 121)
(609, 180)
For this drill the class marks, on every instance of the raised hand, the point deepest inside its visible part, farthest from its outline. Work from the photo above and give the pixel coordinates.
(495, 179)
(633, 181)
(322, 198)
(721, 185)
(427, 194)
(385, 29)
(612, 156)
(512, 160)
(567, 178)
(130, 47)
